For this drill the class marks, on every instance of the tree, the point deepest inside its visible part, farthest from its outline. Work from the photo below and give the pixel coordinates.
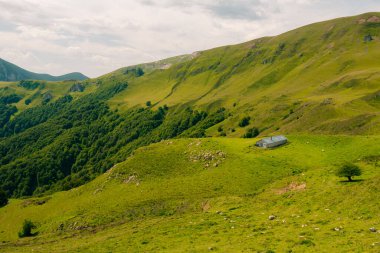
(148, 103)
(26, 230)
(252, 133)
(244, 121)
(139, 72)
(349, 170)
(3, 198)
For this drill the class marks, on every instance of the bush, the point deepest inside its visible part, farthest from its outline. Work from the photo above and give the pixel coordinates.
(148, 103)
(3, 198)
(139, 72)
(26, 230)
(252, 133)
(244, 121)
(28, 101)
(349, 170)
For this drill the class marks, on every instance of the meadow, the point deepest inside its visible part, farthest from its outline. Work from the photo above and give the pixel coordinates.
(167, 198)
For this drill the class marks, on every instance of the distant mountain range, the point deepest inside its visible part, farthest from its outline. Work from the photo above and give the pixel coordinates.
(10, 72)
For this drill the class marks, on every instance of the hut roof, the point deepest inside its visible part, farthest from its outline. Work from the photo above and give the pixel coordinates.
(273, 139)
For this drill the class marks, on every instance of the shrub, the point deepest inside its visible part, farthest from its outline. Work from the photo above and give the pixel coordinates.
(139, 72)
(28, 101)
(29, 84)
(148, 103)
(3, 198)
(26, 230)
(349, 170)
(252, 133)
(244, 121)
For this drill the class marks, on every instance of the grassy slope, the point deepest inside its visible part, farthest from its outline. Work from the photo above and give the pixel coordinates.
(174, 205)
(315, 63)
(57, 89)
(171, 202)
(321, 78)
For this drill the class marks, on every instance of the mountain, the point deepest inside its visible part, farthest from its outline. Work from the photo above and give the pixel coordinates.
(319, 79)
(161, 156)
(10, 73)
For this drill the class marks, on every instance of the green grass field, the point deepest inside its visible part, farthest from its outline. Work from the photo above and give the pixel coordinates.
(167, 198)
(318, 84)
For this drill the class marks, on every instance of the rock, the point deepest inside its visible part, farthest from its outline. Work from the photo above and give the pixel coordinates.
(271, 217)
(374, 230)
(210, 248)
(338, 229)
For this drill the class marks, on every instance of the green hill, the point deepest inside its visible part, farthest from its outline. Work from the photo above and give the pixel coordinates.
(198, 194)
(320, 79)
(149, 157)
(307, 80)
(10, 73)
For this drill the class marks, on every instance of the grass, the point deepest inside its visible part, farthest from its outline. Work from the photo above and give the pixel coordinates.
(165, 198)
(308, 65)
(300, 69)
(57, 89)
(318, 83)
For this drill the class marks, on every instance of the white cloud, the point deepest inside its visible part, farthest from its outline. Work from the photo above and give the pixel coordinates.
(96, 37)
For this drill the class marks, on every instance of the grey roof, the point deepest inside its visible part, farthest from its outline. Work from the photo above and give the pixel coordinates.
(273, 139)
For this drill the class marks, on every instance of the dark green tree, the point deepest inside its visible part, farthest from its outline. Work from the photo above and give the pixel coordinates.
(148, 103)
(349, 170)
(3, 198)
(244, 121)
(27, 228)
(252, 133)
(139, 72)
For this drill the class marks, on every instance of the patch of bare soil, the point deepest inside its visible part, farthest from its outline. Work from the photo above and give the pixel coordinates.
(374, 19)
(291, 187)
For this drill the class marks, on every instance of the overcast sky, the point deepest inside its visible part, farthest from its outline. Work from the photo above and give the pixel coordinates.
(98, 36)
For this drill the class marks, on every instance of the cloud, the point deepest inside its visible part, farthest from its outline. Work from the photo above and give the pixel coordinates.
(96, 37)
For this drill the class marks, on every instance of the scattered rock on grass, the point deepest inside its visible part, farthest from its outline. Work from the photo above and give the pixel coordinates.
(374, 230)
(271, 217)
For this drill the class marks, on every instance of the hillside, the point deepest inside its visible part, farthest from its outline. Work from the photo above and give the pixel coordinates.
(160, 156)
(321, 79)
(307, 80)
(10, 73)
(172, 197)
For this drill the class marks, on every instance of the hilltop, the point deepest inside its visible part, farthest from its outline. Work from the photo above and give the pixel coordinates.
(10, 73)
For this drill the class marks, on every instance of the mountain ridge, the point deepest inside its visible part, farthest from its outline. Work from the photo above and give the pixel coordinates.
(10, 72)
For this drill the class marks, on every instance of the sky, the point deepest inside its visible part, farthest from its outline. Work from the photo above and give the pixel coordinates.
(96, 37)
